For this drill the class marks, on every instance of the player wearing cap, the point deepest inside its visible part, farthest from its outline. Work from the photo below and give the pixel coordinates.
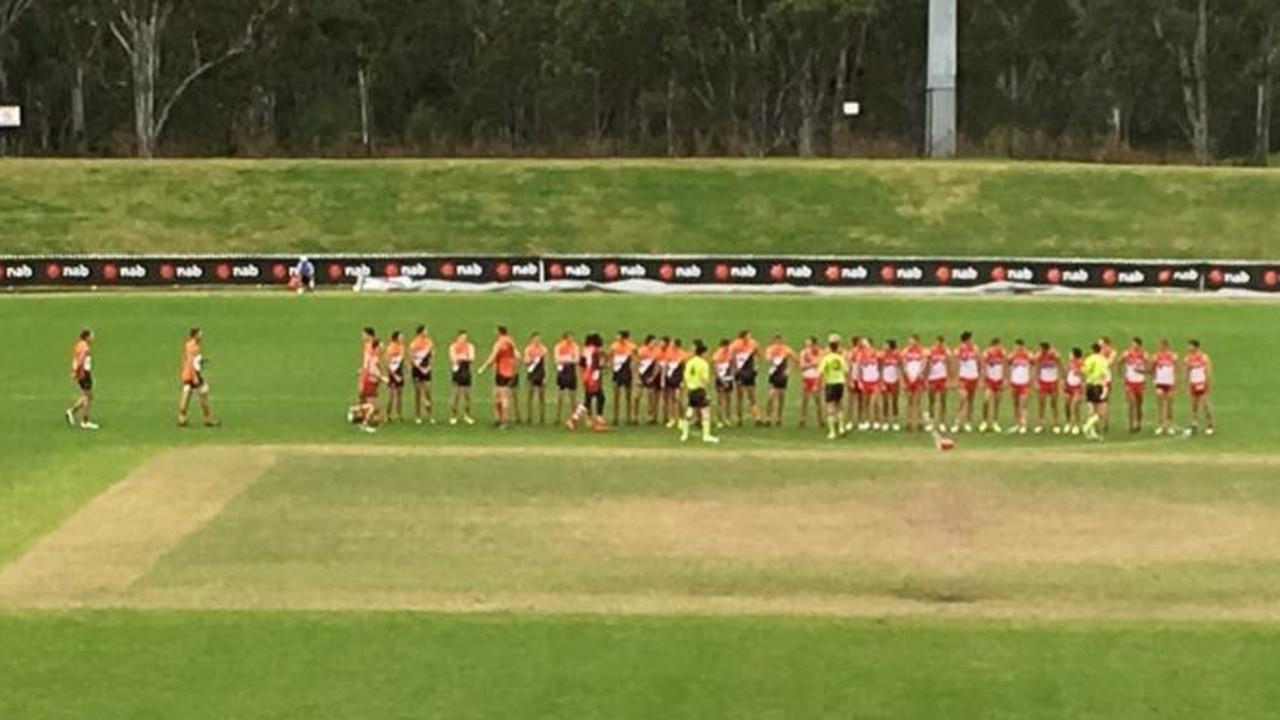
(1199, 378)
(696, 380)
(834, 369)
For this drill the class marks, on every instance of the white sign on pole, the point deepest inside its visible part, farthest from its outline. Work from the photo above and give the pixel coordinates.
(10, 116)
(851, 109)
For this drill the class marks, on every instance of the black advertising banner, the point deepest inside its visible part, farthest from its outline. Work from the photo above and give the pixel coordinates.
(66, 272)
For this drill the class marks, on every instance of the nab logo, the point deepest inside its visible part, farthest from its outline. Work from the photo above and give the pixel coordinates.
(580, 270)
(1187, 276)
(555, 270)
(502, 270)
(526, 270)
(357, 271)
(1240, 277)
(335, 271)
(472, 270)
(633, 271)
(1271, 279)
(688, 272)
(17, 272)
(75, 272)
(1020, 274)
(188, 272)
(911, 273)
(611, 271)
(1131, 277)
(722, 272)
(279, 271)
(109, 272)
(446, 269)
(965, 274)
(416, 270)
(743, 272)
(53, 271)
(942, 274)
(132, 272)
(1078, 276)
(887, 274)
(166, 272)
(998, 273)
(223, 271)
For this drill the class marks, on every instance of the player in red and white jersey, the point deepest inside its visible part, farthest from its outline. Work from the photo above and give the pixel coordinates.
(871, 386)
(853, 417)
(914, 373)
(891, 379)
(1020, 362)
(1164, 366)
(1048, 370)
(968, 372)
(592, 363)
(1073, 388)
(811, 381)
(370, 378)
(993, 370)
(937, 377)
(1199, 379)
(1136, 364)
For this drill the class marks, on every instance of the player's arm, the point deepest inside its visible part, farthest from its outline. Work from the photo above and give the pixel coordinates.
(493, 356)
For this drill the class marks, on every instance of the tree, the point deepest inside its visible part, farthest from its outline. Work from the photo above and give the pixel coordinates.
(1186, 34)
(139, 26)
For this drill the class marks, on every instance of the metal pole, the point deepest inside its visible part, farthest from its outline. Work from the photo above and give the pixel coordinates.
(940, 92)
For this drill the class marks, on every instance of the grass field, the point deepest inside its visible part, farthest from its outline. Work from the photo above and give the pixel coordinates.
(286, 566)
(840, 207)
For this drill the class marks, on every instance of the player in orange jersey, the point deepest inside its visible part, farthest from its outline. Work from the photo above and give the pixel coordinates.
(193, 380)
(746, 353)
(82, 374)
(395, 377)
(535, 371)
(915, 360)
(968, 362)
(1164, 365)
(993, 368)
(420, 351)
(1020, 385)
(622, 359)
(811, 381)
(1048, 372)
(502, 358)
(462, 353)
(722, 368)
(938, 377)
(778, 358)
(891, 383)
(674, 381)
(1136, 364)
(649, 368)
(1199, 379)
(567, 354)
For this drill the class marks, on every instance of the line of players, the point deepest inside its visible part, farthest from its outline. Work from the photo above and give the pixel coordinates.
(889, 387)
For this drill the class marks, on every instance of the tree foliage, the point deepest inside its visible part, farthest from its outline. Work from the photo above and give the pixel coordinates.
(1082, 79)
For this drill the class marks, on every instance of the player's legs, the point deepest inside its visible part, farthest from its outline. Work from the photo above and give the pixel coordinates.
(417, 399)
(779, 409)
(184, 402)
(453, 403)
(617, 397)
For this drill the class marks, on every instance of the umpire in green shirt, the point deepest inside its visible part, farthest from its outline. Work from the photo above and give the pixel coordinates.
(1097, 388)
(697, 378)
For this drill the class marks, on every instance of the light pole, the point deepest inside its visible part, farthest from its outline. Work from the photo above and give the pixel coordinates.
(940, 90)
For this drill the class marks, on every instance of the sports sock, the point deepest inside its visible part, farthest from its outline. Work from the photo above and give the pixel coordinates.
(831, 422)
(1092, 422)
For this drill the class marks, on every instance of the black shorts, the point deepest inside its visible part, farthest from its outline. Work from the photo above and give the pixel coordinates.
(85, 382)
(674, 378)
(651, 378)
(462, 377)
(1095, 393)
(835, 392)
(504, 381)
(724, 384)
(778, 382)
(395, 379)
(196, 384)
(537, 378)
(746, 378)
(567, 378)
(421, 375)
(623, 378)
(698, 399)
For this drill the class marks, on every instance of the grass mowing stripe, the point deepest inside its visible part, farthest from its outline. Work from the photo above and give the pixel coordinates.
(251, 666)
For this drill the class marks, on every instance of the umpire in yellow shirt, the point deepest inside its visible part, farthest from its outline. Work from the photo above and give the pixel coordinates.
(1097, 389)
(697, 377)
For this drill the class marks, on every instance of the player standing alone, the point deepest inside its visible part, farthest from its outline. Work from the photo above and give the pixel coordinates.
(1199, 377)
(82, 374)
(193, 381)
(697, 378)
(835, 371)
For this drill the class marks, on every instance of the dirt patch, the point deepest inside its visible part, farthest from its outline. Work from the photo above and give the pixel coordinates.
(115, 539)
(959, 526)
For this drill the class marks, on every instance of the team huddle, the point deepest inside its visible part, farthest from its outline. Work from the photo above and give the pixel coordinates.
(846, 386)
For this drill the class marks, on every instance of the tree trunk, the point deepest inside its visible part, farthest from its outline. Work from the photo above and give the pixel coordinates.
(808, 102)
(1262, 124)
(1204, 153)
(78, 128)
(671, 115)
(366, 111)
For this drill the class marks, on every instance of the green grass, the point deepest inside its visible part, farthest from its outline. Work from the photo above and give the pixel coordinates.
(282, 369)
(856, 207)
(130, 666)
